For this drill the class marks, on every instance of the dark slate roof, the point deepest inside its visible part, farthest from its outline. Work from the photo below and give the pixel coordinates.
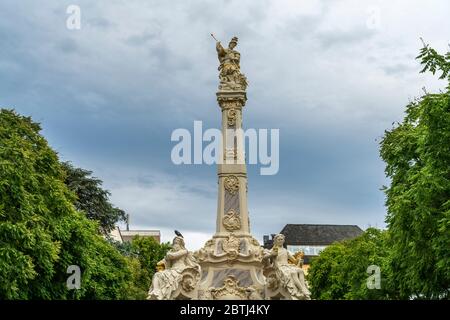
(318, 234)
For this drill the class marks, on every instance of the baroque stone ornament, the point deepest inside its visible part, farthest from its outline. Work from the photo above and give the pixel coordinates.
(230, 76)
(272, 282)
(231, 184)
(231, 117)
(204, 253)
(231, 246)
(188, 282)
(231, 221)
(230, 250)
(230, 153)
(283, 279)
(230, 290)
(231, 100)
(179, 276)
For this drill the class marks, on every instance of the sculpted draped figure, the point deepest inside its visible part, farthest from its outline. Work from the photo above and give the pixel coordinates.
(289, 277)
(178, 274)
(230, 75)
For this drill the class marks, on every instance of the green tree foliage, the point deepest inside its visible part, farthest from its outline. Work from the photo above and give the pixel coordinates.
(417, 156)
(414, 253)
(148, 252)
(139, 285)
(92, 199)
(142, 254)
(433, 61)
(340, 271)
(41, 233)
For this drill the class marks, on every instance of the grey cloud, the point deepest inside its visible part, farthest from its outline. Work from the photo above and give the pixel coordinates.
(67, 46)
(334, 38)
(100, 22)
(141, 39)
(399, 69)
(110, 94)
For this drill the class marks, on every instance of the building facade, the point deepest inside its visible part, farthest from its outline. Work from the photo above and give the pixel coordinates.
(128, 235)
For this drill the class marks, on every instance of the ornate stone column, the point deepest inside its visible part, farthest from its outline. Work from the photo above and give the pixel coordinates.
(231, 261)
(232, 264)
(232, 212)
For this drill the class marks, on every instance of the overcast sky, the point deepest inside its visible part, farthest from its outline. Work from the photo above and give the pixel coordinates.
(331, 75)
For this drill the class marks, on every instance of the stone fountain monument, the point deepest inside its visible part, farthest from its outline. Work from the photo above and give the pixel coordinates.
(232, 264)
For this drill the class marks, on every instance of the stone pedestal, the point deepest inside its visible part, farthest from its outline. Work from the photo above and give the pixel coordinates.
(233, 256)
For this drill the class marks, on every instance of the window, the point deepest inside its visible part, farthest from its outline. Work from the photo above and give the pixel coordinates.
(308, 250)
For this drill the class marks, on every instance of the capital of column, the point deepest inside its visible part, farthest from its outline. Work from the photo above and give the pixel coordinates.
(231, 99)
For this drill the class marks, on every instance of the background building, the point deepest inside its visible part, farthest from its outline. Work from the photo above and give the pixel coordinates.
(128, 235)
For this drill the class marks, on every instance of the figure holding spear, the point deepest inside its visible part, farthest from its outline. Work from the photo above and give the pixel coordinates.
(230, 74)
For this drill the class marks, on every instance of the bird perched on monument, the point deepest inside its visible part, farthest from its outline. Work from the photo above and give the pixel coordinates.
(178, 233)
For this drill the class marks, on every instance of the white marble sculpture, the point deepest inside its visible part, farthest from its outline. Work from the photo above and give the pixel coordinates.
(178, 274)
(284, 278)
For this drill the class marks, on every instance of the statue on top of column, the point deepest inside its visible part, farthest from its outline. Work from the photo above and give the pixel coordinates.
(230, 75)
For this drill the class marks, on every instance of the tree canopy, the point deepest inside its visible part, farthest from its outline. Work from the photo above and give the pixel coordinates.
(41, 232)
(340, 271)
(91, 198)
(417, 156)
(142, 254)
(414, 252)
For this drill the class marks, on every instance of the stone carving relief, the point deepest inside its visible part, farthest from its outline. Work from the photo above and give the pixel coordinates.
(230, 153)
(272, 282)
(231, 221)
(254, 294)
(230, 249)
(231, 184)
(231, 117)
(205, 252)
(189, 281)
(205, 295)
(231, 246)
(230, 290)
(231, 101)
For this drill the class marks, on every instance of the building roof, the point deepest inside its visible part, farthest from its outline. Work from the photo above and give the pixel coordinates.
(318, 234)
